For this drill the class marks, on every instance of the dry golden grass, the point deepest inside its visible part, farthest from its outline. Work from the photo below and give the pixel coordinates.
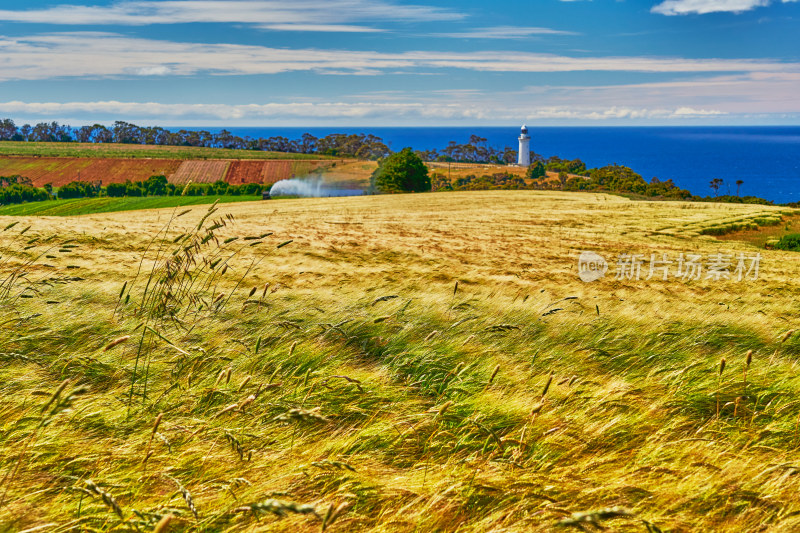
(348, 173)
(422, 362)
(356, 174)
(461, 170)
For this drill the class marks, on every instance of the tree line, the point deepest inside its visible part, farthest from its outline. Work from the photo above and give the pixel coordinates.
(619, 178)
(362, 146)
(18, 189)
(574, 176)
(476, 150)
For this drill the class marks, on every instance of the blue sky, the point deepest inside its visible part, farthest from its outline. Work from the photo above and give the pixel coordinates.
(401, 63)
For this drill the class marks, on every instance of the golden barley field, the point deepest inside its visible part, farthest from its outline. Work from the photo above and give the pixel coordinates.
(422, 362)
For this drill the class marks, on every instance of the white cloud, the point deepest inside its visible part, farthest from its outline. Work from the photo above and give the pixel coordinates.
(298, 15)
(701, 7)
(756, 92)
(103, 55)
(689, 111)
(317, 110)
(443, 110)
(153, 71)
(617, 113)
(342, 28)
(504, 32)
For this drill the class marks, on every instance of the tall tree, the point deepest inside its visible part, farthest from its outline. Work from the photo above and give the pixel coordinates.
(308, 143)
(127, 133)
(536, 170)
(8, 130)
(402, 171)
(715, 184)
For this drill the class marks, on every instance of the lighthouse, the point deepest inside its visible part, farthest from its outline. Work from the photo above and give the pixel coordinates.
(524, 157)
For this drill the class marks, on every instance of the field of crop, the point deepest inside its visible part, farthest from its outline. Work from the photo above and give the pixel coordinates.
(200, 172)
(44, 169)
(269, 172)
(348, 174)
(60, 171)
(420, 362)
(461, 170)
(111, 150)
(121, 170)
(86, 206)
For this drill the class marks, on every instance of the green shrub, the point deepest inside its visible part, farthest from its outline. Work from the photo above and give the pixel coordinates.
(116, 190)
(78, 189)
(789, 242)
(17, 194)
(134, 190)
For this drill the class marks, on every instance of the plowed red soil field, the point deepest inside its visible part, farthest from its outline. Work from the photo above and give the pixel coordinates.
(62, 170)
(200, 171)
(270, 171)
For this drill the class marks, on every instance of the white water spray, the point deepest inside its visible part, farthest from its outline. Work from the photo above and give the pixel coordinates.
(309, 188)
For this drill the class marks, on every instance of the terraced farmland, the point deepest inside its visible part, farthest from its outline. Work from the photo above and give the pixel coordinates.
(62, 170)
(270, 171)
(200, 172)
(139, 151)
(44, 169)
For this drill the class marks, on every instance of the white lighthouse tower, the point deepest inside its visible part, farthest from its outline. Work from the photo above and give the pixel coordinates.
(524, 157)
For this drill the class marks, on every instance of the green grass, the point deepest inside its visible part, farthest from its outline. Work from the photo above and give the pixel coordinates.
(139, 151)
(87, 206)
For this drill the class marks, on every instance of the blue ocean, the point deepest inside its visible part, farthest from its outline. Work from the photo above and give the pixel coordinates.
(765, 158)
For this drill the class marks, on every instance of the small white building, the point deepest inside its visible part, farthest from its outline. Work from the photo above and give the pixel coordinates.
(524, 156)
